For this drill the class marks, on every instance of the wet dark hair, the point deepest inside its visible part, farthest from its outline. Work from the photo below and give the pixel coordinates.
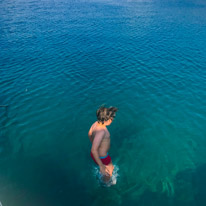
(104, 114)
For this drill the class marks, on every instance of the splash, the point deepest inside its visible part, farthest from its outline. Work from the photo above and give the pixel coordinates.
(113, 179)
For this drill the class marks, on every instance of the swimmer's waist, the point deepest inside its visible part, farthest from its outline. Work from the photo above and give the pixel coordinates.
(103, 157)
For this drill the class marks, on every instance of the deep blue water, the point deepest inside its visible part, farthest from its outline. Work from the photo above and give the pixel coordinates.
(60, 60)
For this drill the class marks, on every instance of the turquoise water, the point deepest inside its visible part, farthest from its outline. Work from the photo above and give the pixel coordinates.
(60, 60)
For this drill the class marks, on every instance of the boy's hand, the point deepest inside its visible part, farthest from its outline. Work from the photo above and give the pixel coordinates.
(104, 170)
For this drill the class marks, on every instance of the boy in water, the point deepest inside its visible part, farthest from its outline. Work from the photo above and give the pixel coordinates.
(100, 139)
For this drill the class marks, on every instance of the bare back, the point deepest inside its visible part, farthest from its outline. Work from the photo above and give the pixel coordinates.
(105, 143)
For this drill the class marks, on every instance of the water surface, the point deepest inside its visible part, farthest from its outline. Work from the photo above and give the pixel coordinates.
(60, 60)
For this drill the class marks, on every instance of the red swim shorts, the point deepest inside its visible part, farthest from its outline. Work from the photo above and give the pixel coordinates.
(105, 160)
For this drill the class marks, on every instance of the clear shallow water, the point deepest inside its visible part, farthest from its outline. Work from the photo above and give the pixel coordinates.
(61, 60)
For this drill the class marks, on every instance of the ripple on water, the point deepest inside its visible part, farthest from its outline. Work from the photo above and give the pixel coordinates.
(147, 59)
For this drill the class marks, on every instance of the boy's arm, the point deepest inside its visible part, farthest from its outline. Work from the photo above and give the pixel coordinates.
(90, 134)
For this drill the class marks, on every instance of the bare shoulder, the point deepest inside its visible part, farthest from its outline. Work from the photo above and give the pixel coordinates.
(92, 128)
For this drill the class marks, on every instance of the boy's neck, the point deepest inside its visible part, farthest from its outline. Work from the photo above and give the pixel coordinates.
(101, 125)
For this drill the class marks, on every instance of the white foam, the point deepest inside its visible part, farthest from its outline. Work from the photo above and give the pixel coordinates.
(112, 181)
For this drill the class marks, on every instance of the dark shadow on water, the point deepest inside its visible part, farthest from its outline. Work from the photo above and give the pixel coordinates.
(191, 187)
(44, 181)
(149, 198)
(190, 190)
(39, 181)
(200, 184)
